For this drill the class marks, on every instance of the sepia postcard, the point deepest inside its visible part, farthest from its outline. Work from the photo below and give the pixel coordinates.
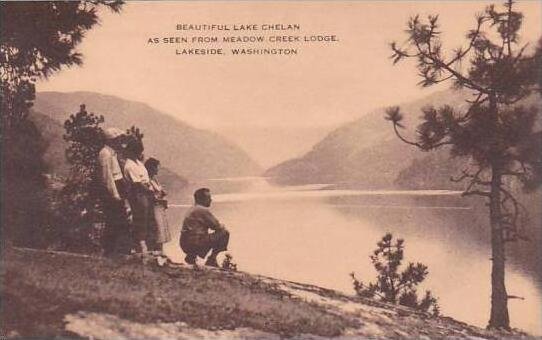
(271, 169)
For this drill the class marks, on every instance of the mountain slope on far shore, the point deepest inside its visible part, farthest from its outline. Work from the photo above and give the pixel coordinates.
(187, 151)
(366, 153)
(363, 153)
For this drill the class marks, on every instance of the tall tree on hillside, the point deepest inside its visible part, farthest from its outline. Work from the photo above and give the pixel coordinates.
(495, 132)
(37, 38)
(80, 194)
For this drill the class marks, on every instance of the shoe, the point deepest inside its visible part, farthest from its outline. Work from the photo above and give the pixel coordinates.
(161, 261)
(211, 262)
(190, 259)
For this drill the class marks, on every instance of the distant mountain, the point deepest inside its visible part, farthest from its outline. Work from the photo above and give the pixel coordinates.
(363, 153)
(431, 171)
(367, 154)
(270, 145)
(55, 158)
(187, 151)
(435, 168)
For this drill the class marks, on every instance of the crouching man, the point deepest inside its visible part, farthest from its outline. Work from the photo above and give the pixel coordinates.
(196, 240)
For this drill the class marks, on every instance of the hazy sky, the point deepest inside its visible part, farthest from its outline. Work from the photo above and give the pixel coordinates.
(322, 86)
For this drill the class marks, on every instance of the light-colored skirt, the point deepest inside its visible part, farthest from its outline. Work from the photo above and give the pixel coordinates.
(161, 226)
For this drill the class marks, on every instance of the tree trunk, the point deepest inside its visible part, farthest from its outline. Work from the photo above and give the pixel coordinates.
(499, 298)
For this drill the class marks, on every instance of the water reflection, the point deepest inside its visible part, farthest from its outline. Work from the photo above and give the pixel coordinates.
(318, 236)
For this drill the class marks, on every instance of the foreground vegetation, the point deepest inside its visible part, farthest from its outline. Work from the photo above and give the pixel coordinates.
(44, 292)
(39, 289)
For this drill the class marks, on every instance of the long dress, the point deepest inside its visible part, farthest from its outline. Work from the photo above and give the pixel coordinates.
(139, 198)
(160, 229)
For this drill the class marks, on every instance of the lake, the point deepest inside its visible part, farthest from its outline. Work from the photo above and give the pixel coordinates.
(317, 235)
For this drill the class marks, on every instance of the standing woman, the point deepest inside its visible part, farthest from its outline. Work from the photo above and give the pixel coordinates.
(139, 193)
(159, 231)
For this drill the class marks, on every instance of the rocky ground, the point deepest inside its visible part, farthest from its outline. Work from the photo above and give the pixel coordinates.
(58, 294)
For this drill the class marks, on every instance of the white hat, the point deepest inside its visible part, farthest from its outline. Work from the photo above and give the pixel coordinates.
(112, 133)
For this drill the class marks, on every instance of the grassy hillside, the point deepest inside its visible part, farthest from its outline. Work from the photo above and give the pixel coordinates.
(189, 152)
(49, 294)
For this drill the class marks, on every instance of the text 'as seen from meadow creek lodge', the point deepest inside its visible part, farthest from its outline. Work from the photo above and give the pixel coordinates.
(280, 39)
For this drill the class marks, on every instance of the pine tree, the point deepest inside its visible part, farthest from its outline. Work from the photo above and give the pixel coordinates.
(393, 286)
(37, 38)
(85, 140)
(495, 132)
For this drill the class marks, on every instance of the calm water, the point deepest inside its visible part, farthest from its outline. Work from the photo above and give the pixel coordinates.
(308, 234)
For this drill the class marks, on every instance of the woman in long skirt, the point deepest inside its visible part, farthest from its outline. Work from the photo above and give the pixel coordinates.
(140, 194)
(159, 231)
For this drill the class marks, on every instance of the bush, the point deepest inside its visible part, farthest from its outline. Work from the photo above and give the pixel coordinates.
(392, 286)
(228, 264)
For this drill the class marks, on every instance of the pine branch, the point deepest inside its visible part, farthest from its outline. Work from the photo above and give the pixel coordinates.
(520, 52)
(474, 34)
(518, 208)
(438, 81)
(404, 139)
(509, 31)
(437, 62)
(516, 297)
(475, 179)
(463, 79)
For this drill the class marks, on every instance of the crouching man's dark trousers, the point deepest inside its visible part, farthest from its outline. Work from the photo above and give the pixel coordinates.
(200, 245)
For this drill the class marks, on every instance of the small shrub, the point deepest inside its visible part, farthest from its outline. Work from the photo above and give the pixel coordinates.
(394, 286)
(228, 264)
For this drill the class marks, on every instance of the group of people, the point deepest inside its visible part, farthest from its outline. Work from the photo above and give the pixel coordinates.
(134, 206)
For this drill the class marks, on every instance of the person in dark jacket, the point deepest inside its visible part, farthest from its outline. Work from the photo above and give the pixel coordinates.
(196, 238)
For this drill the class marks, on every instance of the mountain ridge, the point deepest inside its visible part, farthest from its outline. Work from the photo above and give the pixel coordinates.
(188, 151)
(366, 153)
(57, 165)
